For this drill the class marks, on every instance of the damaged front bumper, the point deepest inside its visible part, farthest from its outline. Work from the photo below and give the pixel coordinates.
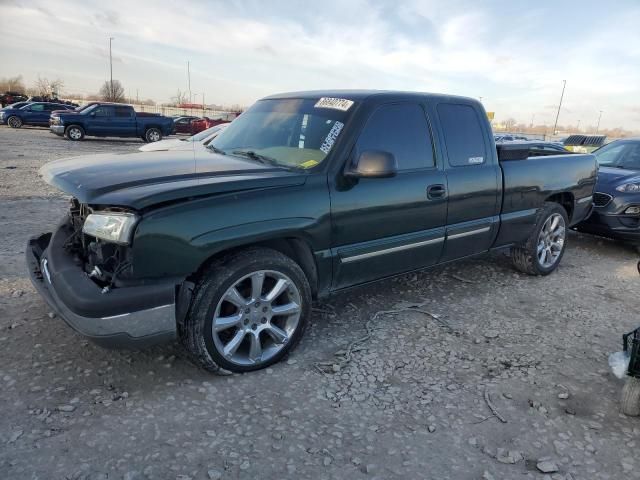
(129, 317)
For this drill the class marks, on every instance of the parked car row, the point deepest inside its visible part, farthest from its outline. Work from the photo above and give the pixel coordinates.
(110, 120)
(101, 119)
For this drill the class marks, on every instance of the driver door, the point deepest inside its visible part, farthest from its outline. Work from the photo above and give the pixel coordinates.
(385, 226)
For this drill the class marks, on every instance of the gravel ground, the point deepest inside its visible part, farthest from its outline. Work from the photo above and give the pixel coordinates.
(409, 402)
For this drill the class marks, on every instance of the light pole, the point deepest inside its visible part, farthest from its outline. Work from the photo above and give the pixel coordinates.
(578, 127)
(189, 80)
(599, 117)
(110, 69)
(532, 118)
(555, 125)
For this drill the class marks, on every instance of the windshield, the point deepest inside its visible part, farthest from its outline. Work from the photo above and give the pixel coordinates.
(88, 108)
(619, 154)
(198, 137)
(296, 133)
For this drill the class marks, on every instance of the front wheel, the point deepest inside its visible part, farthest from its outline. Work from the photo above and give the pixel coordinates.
(543, 250)
(74, 132)
(248, 311)
(153, 135)
(14, 122)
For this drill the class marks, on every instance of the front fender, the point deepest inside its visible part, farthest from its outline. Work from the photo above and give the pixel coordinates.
(176, 241)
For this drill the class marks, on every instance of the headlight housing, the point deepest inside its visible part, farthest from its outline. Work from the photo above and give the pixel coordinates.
(629, 188)
(115, 227)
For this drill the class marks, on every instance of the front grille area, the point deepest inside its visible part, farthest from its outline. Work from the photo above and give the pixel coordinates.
(601, 199)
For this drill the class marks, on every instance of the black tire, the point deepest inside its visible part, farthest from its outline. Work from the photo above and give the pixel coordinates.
(14, 121)
(153, 135)
(144, 139)
(525, 257)
(196, 333)
(631, 397)
(74, 133)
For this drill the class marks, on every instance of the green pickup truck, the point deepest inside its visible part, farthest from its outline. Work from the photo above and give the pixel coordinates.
(303, 195)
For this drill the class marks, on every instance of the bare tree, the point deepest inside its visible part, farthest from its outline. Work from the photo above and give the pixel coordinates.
(48, 88)
(112, 92)
(510, 123)
(180, 98)
(12, 84)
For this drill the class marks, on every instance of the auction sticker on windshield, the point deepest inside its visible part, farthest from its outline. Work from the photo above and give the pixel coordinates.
(341, 104)
(331, 137)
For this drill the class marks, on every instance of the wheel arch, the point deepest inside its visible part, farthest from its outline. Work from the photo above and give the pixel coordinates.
(564, 199)
(294, 247)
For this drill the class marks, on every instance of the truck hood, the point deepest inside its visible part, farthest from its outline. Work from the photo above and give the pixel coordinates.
(140, 180)
(609, 178)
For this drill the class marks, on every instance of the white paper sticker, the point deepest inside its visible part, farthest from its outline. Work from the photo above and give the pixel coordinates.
(331, 137)
(476, 160)
(341, 104)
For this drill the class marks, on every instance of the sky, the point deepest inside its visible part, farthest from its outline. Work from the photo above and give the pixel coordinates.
(515, 55)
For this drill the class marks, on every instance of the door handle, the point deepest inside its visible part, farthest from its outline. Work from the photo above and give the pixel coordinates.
(436, 191)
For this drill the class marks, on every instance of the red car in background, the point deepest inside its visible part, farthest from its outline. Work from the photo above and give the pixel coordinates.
(203, 123)
(183, 125)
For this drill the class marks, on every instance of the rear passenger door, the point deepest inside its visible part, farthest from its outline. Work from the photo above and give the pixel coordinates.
(123, 121)
(384, 226)
(474, 180)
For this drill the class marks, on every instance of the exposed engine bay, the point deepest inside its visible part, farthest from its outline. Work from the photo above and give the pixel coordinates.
(106, 263)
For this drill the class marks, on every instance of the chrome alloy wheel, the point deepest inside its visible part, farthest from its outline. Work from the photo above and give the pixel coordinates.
(256, 317)
(75, 133)
(551, 240)
(153, 136)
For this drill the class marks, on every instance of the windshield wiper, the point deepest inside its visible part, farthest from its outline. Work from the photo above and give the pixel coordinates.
(216, 149)
(256, 156)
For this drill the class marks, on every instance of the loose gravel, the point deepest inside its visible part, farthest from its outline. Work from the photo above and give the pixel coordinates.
(482, 372)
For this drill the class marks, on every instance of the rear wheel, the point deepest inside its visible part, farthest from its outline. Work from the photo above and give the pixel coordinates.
(249, 310)
(543, 250)
(74, 132)
(153, 135)
(14, 122)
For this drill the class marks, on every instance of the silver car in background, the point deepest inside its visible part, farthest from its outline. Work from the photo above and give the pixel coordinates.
(199, 140)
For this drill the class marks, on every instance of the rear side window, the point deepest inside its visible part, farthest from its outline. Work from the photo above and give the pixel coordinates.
(123, 112)
(37, 107)
(402, 130)
(463, 135)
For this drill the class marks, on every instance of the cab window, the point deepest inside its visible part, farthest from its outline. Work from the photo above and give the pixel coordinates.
(463, 135)
(400, 129)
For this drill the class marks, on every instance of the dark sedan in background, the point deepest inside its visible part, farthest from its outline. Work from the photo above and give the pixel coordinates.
(617, 199)
(36, 113)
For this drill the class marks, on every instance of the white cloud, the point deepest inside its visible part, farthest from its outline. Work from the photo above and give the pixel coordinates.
(514, 55)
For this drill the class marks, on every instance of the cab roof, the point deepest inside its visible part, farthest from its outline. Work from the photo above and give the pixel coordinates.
(363, 95)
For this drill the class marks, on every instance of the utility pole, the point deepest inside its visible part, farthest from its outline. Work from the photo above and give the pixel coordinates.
(203, 107)
(189, 80)
(555, 125)
(137, 97)
(110, 68)
(599, 117)
(532, 117)
(578, 127)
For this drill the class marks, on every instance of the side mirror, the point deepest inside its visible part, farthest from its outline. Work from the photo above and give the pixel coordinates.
(373, 164)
